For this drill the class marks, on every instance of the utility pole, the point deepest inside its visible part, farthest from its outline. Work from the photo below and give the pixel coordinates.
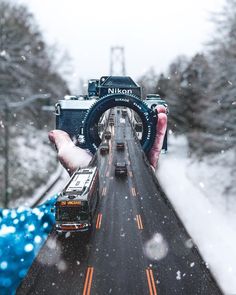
(117, 61)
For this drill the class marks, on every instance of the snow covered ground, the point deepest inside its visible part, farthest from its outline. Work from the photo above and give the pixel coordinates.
(32, 161)
(201, 194)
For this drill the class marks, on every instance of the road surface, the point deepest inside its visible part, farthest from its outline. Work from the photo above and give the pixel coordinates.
(138, 244)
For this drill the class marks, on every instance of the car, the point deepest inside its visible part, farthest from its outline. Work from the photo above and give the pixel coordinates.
(121, 169)
(120, 146)
(107, 134)
(111, 122)
(124, 112)
(138, 127)
(104, 148)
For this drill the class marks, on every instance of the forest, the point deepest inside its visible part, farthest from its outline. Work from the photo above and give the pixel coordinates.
(200, 92)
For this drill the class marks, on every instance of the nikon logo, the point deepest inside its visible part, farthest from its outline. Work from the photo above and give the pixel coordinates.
(119, 91)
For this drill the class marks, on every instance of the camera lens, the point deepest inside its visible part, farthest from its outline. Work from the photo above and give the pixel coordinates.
(147, 116)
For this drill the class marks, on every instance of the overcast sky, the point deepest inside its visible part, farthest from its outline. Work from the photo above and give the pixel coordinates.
(153, 32)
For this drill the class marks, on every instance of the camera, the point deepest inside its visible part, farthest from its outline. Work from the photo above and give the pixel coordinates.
(80, 116)
(70, 114)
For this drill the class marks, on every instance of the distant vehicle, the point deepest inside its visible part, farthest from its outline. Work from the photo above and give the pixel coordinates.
(139, 127)
(76, 205)
(107, 134)
(120, 169)
(111, 121)
(120, 146)
(124, 112)
(104, 148)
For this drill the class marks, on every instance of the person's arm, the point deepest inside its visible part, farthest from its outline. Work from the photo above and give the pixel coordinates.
(73, 157)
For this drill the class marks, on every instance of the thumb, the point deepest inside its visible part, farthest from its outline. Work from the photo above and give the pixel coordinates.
(59, 138)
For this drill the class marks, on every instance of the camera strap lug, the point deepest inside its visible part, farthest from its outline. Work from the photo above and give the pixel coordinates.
(57, 109)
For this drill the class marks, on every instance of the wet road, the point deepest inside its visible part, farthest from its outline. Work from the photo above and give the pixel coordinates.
(138, 244)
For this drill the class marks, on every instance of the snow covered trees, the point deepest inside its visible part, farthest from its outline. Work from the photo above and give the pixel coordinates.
(223, 59)
(201, 92)
(25, 66)
(26, 69)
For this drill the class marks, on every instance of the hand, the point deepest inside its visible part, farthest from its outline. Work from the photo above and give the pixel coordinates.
(154, 153)
(72, 157)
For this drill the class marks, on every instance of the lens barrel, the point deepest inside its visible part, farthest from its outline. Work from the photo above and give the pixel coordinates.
(147, 116)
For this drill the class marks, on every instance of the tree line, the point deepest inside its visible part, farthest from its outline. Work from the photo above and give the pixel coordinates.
(201, 91)
(27, 68)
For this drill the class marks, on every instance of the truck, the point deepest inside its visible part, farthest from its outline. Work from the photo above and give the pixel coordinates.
(76, 204)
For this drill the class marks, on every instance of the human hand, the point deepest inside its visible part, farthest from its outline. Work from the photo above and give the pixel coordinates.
(70, 156)
(154, 153)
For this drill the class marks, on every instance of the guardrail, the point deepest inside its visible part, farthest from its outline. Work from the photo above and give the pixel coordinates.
(41, 192)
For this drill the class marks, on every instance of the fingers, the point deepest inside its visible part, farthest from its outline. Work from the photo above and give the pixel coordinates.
(160, 134)
(161, 109)
(69, 155)
(59, 138)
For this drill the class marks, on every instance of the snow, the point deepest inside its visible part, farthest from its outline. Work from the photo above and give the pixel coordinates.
(32, 161)
(202, 194)
(59, 174)
(156, 248)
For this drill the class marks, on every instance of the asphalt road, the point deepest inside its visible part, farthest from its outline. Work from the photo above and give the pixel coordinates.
(138, 244)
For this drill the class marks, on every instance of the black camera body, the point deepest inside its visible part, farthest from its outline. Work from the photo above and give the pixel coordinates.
(70, 114)
(80, 116)
(71, 111)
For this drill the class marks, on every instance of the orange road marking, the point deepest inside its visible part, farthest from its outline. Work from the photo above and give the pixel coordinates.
(133, 191)
(88, 281)
(151, 282)
(99, 221)
(139, 222)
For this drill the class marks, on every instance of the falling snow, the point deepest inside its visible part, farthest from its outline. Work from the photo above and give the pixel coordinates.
(156, 248)
(178, 275)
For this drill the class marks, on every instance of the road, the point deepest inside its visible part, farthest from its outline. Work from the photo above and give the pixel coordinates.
(138, 244)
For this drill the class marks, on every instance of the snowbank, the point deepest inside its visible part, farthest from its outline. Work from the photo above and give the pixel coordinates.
(197, 191)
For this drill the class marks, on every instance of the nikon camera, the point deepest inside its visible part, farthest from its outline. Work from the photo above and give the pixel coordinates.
(71, 111)
(79, 115)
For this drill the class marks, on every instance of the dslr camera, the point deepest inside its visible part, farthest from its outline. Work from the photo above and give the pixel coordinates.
(80, 116)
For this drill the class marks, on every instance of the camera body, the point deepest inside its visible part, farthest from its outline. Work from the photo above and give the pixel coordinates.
(72, 110)
(152, 100)
(79, 116)
(70, 114)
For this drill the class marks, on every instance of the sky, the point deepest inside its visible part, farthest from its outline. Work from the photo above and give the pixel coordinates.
(152, 32)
